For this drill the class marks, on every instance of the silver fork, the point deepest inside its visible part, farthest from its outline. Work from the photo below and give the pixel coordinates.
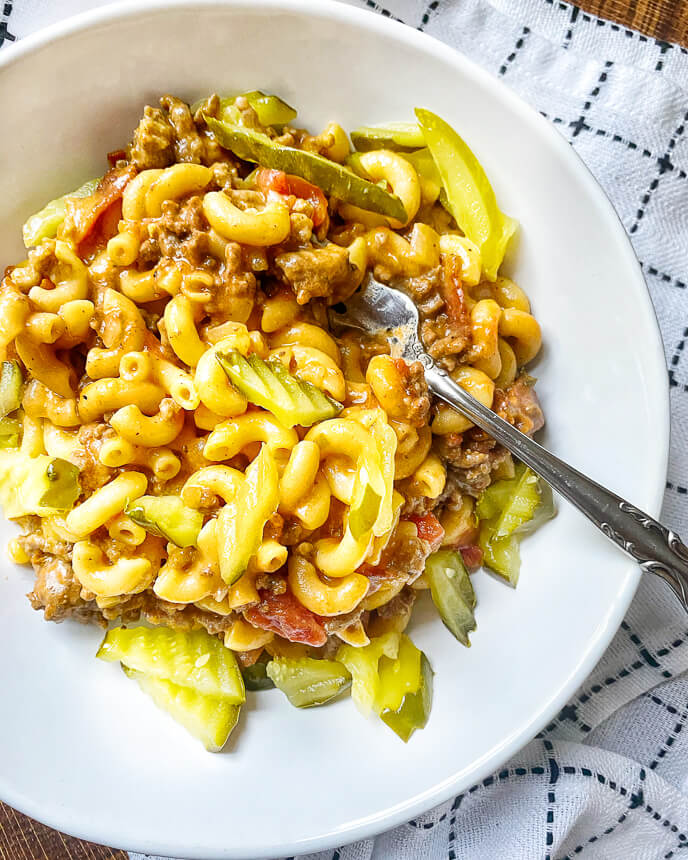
(377, 309)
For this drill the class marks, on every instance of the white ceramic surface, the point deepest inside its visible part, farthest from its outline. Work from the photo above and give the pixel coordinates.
(81, 748)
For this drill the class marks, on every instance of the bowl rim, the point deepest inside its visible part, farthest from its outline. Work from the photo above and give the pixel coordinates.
(653, 495)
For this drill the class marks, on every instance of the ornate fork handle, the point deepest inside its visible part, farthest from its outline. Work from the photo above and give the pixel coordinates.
(656, 548)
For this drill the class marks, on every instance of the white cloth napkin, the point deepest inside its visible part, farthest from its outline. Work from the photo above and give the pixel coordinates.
(608, 778)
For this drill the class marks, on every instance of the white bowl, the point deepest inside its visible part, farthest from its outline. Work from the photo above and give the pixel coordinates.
(80, 747)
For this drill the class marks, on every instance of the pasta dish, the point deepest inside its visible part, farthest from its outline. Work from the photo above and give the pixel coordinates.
(186, 441)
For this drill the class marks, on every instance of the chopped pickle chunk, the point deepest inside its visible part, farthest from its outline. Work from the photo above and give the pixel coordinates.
(363, 664)
(242, 519)
(452, 592)
(10, 431)
(507, 511)
(412, 672)
(365, 509)
(393, 679)
(307, 682)
(398, 136)
(271, 110)
(39, 485)
(331, 177)
(167, 517)
(270, 385)
(208, 718)
(256, 677)
(11, 379)
(502, 555)
(44, 224)
(193, 659)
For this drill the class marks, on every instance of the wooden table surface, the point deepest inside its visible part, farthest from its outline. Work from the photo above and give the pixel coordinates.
(22, 838)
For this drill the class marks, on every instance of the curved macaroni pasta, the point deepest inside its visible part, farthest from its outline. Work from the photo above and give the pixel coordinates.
(267, 226)
(106, 503)
(336, 598)
(126, 576)
(231, 437)
(70, 277)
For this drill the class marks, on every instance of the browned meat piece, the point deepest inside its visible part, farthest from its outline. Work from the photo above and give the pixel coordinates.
(416, 398)
(127, 611)
(92, 473)
(398, 610)
(445, 324)
(35, 544)
(275, 583)
(188, 146)
(402, 560)
(339, 622)
(473, 457)
(315, 272)
(169, 134)
(57, 591)
(182, 232)
(399, 605)
(519, 405)
(414, 504)
(153, 143)
(234, 296)
(187, 618)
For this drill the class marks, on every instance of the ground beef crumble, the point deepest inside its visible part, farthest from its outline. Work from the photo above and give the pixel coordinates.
(472, 456)
(315, 272)
(519, 405)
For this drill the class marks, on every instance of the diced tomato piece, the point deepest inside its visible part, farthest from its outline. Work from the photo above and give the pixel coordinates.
(453, 295)
(429, 530)
(272, 180)
(115, 156)
(104, 229)
(284, 615)
(84, 212)
(285, 183)
(472, 557)
(307, 191)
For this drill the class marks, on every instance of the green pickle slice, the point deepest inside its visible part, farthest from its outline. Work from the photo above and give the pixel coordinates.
(271, 110)
(507, 511)
(44, 224)
(40, 485)
(399, 136)
(308, 682)
(414, 711)
(256, 677)
(332, 178)
(241, 520)
(10, 431)
(452, 593)
(11, 380)
(270, 385)
(363, 664)
(192, 659)
(168, 517)
(211, 719)
(470, 196)
(502, 555)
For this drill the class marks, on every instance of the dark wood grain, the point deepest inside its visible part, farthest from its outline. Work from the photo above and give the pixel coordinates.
(22, 838)
(665, 20)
